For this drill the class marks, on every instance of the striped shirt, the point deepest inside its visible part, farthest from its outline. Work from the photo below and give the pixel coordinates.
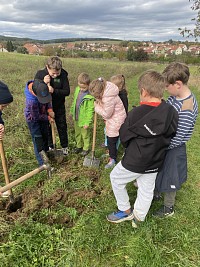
(187, 113)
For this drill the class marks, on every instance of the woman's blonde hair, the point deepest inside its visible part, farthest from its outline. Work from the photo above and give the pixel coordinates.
(119, 80)
(83, 81)
(97, 87)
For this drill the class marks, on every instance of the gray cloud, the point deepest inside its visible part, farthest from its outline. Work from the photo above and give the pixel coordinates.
(130, 20)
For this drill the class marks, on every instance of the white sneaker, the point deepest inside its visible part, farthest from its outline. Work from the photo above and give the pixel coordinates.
(65, 151)
(5, 194)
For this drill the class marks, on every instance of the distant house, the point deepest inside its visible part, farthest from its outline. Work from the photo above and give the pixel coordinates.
(2, 49)
(34, 49)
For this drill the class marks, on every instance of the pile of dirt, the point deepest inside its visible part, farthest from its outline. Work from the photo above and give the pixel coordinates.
(32, 201)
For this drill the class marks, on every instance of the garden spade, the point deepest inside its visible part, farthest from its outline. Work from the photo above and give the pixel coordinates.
(55, 154)
(91, 161)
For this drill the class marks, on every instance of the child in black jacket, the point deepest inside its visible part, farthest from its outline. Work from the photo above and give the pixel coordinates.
(145, 134)
(57, 80)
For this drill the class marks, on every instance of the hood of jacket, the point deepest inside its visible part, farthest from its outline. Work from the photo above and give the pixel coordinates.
(156, 122)
(110, 90)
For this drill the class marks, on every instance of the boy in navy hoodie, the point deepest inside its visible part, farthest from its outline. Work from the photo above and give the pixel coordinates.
(5, 99)
(38, 111)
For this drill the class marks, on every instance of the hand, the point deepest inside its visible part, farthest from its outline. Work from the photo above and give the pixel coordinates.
(51, 89)
(51, 114)
(50, 119)
(47, 79)
(85, 126)
(2, 129)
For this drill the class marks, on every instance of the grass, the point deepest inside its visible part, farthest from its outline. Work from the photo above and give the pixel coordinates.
(62, 222)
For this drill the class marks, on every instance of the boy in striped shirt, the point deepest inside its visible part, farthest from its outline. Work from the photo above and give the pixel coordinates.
(174, 171)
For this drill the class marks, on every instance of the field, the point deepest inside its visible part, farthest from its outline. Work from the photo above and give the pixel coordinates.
(62, 222)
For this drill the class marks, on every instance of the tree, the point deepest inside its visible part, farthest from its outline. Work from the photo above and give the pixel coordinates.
(130, 53)
(22, 50)
(140, 55)
(196, 31)
(9, 46)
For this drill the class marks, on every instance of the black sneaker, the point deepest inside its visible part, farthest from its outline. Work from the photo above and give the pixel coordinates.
(164, 212)
(77, 150)
(85, 152)
(157, 197)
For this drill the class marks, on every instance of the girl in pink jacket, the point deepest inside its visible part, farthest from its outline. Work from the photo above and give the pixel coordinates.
(109, 105)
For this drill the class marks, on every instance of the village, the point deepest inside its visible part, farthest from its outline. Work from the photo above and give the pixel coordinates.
(151, 48)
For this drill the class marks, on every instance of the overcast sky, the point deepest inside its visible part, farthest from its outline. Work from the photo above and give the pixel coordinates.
(156, 20)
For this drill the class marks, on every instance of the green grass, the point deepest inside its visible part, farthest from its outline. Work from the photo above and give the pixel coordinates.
(62, 222)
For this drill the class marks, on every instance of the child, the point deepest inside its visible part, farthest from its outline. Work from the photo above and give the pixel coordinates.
(119, 80)
(145, 134)
(174, 171)
(5, 99)
(38, 111)
(82, 110)
(109, 105)
(57, 80)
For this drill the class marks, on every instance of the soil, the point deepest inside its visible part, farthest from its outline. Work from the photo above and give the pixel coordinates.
(32, 200)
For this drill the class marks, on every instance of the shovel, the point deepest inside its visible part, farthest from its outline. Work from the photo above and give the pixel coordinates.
(92, 161)
(5, 170)
(55, 154)
(17, 202)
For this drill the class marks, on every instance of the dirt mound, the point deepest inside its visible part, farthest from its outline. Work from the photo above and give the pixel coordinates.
(32, 201)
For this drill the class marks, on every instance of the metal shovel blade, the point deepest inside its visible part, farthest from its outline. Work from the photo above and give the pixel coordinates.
(56, 155)
(91, 162)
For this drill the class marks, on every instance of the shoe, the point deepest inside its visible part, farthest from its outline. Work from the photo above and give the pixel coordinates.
(135, 184)
(85, 152)
(110, 164)
(5, 194)
(164, 212)
(157, 197)
(119, 216)
(77, 150)
(135, 222)
(44, 157)
(65, 151)
(103, 145)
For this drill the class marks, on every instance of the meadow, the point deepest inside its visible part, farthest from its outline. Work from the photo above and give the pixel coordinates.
(62, 222)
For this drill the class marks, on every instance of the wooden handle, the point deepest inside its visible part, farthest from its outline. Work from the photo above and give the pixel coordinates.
(94, 133)
(22, 178)
(53, 134)
(5, 168)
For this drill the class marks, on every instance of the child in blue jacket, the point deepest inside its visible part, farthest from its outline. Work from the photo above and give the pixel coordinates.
(38, 111)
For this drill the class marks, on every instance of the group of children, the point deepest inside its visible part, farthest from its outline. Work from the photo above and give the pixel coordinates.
(153, 134)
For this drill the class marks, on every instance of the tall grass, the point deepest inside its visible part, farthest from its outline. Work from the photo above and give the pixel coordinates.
(73, 231)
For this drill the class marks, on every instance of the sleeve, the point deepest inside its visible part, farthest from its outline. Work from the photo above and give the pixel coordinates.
(105, 109)
(124, 132)
(90, 112)
(184, 129)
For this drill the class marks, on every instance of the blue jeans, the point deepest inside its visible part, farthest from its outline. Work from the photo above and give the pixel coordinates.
(39, 135)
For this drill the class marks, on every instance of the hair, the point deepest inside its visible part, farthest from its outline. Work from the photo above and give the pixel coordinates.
(176, 72)
(54, 63)
(153, 82)
(84, 81)
(119, 80)
(97, 87)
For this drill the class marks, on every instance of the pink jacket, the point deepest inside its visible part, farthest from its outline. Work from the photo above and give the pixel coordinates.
(111, 109)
